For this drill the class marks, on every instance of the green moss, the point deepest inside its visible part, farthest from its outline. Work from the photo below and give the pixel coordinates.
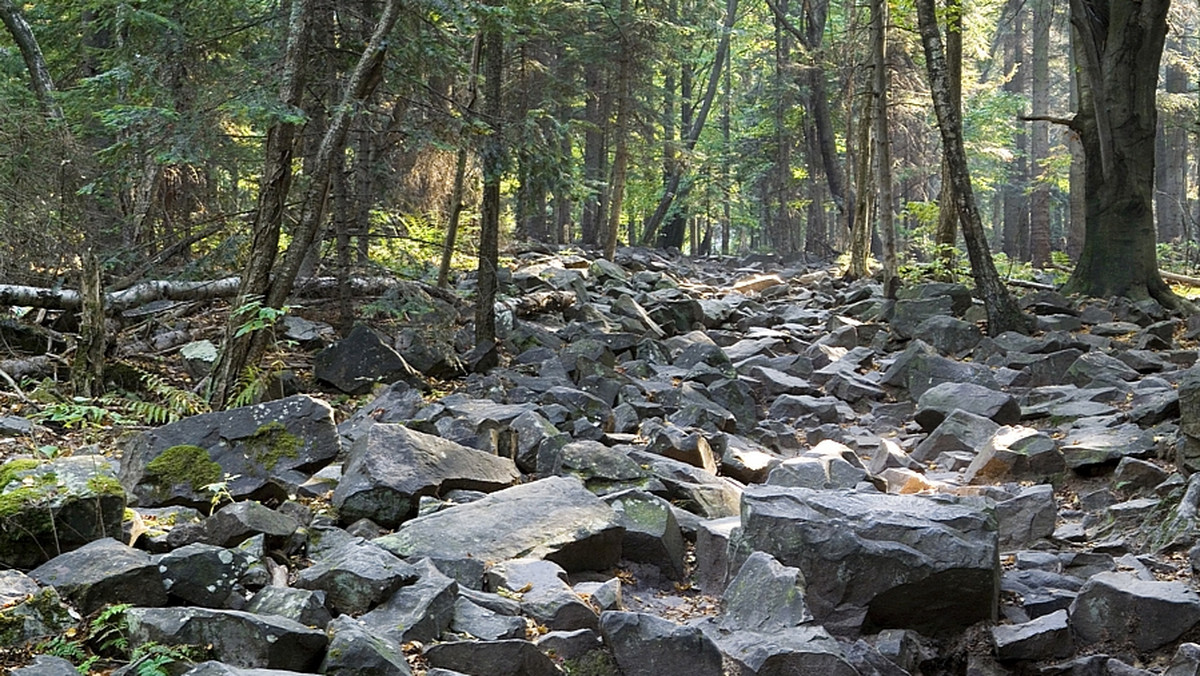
(271, 442)
(41, 613)
(10, 470)
(185, 464)
(26, 493)
(593, 663)
(105, 485)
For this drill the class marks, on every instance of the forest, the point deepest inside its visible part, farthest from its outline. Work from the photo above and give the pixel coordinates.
(283, 141)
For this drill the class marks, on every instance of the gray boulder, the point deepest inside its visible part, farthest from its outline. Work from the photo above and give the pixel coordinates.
(420, 611)
(806, 649)
(544, 593)
(358, 361)
(238, 521)
(391, 467)
(1027, 517)
(652, 533)
(204, 575)
(646, 645)
(938, 401)
(764, 596)
(1017, 454)
(305, 606)
(484, 623)
(357, 577)
(959, 431)
(53, 507)
(47, 665)
(512, 657)
(829, 464)
(555, 519)
(1115, 608)
(37, 615)
(103, 572)
(875, 561)
(236, 638)
(949, 335)
(261, 452)
(1046, 637)
(355, 649)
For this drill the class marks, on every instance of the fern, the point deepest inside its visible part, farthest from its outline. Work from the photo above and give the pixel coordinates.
(164, 402)
(251, 385)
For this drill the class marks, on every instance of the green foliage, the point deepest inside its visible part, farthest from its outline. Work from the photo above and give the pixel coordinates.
(258, 317)
(185, 464)
(80, 413)
(106, 638)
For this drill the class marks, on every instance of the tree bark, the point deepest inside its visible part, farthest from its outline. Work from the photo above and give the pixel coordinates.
(621, 159)
(1170, 180)
(1120, 46)
(1039, 147)
(1015, 228)
(35, 62)
(650, 230)
(460, 171)
(883, 147)
(1002, 310)
(493, 170)
(947, 228)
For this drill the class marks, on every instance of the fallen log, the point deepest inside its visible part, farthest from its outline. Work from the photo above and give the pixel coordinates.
(1179, 279)
(540, 302)
(149, 291)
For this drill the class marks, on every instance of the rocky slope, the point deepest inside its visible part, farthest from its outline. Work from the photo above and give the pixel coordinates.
(678, 468)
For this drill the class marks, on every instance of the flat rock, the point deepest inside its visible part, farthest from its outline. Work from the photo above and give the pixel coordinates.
(544, 593)
(646, 645)
(511, 657)
(938, 401)
(203, 575)
(807, 649)
(358, 361)
(357, 577)
(103, 572)
(419, 611)
(555, 519)
(391, 466)
(1017, 453)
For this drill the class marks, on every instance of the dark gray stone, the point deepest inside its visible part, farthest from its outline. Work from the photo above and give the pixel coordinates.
(959, 431)
(1185, 662)
(908, 314)
(38, 615)
(1115, 608)
(652, 533)
(47, 665)
(103, 572)
(357, 577)
(1027, 517)
(764, 596)
(204, 575)
(545, 595)
(645, 645)
(236, 638)
(305, 606)
(712, 553)
(1017, 454)
(1097, 368)
(556, 519)
(260, 452)
(420, 611)
(474, 620)
(358, 361)
(874, 561)
(1047, 637)
(829, 464)
(397, 403)
(948, 335)
(938, 401)
(1090, 449)
(238, 521)
(807, 649)
(355, 649)
(512, 657)
(391, 467)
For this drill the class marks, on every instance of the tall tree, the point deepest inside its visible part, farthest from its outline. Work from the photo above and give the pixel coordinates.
(883, 146)
(947, 230)
(1119, 46)
(494, 161)
(1039, 146)
(1002, 310)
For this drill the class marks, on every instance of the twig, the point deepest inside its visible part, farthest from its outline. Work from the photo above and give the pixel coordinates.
(13, 384)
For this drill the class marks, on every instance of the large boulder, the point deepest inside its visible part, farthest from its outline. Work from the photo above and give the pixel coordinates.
(234, 637)
(556, 519)
(646, 645)
(103, 572)
(391, 467)
(1119, 608)
(938, 401)
(259, 452)
(357, 576)
(358, 361)
(875, 561)
(48, 508)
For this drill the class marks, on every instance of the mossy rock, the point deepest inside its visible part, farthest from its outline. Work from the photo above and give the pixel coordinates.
(39, 616)
(51, 507)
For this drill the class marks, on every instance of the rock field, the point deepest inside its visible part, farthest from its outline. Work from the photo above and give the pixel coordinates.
(676, 468)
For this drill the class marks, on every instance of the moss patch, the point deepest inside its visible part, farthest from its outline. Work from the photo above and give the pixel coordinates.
(10, 470)
(185, 464)
(271, 442)
(30, 491)
(105, 485)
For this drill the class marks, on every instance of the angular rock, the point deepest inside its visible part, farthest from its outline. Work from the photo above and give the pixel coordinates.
(652, 532)
(712, 553)
(483, 623)
(1114, 608)
(392, 466)
(919, 368)
(601, 468)
(261, 452)
(397, 403)
(354, 649)
(829, 464)
(38, 615)
(48, 508)
(204, 575)
(1027, 517)
(544, 594)
(358, 361)
(874, 561)
(236, 638)
(807, 649)
(236, 522)
(959, 431)
(948, 335)
(47, 665)
(1090, 449)
(646, 645)
(555, 519)
(938, 401)
(1047, 637)
(305, 606)
(102, 572)
(357, 577)
(764, 596)
(491, 658)
(420, 611)
(1017, 454)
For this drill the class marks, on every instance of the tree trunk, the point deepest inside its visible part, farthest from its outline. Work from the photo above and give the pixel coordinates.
(650, 230)
(947, 228)
(621, 160)
(1002, 310)
(1016, 202)
(493, 171)
(860, 233)
(1039, 149)
(35, 63)
(460, 172)
(726, 157)
(594, 153)
(1076, 229)
(1170, 181)
(1120, 46)
(883, 146)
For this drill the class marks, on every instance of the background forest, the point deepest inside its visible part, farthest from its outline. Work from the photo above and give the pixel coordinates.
(184, 139)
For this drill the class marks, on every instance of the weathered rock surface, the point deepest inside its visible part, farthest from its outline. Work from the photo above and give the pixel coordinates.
(103, 572)
(236, 638)
(1115, 608)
